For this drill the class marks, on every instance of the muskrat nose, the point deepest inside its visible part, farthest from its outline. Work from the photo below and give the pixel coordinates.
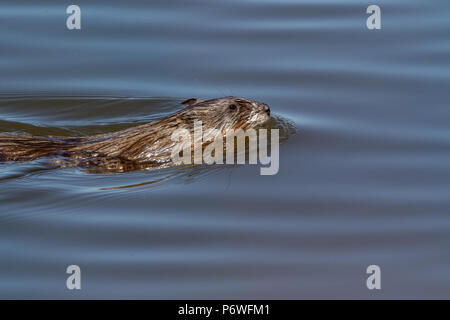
(266, 109)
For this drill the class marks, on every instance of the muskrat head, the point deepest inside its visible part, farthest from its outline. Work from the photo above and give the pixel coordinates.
(228, 113)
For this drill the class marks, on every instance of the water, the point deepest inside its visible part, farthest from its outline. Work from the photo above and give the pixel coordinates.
(365, 180)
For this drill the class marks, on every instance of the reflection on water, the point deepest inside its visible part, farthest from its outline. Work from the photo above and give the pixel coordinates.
(365, 181)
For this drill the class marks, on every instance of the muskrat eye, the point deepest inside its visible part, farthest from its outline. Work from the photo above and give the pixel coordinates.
(232, 107)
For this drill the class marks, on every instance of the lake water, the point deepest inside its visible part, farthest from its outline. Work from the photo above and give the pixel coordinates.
(365, 180)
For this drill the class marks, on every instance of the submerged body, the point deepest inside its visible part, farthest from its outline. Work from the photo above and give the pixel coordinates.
(145, 146)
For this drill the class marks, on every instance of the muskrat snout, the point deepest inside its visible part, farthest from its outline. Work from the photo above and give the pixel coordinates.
(263, 111)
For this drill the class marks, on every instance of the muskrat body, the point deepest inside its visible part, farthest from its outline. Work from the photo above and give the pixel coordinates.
(145, 146)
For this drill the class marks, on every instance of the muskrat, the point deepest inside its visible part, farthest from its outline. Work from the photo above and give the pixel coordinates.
(144, 146)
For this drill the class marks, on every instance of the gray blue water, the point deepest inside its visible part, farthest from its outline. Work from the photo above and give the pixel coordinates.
(365, 180)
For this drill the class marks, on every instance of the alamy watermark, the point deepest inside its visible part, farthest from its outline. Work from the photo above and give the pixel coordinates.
(74, 280)
(208, 147)
(374, 280)
(373, 22)
(73, 21)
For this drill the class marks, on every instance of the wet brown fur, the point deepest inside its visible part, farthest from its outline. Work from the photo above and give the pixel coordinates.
(143, 146)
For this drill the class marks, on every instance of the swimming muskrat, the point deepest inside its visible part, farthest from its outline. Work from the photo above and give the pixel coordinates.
(144, 146)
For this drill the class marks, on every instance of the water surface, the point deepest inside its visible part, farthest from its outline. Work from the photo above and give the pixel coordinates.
(365, 179)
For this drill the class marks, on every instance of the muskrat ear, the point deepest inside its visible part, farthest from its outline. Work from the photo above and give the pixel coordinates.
(192, 101)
